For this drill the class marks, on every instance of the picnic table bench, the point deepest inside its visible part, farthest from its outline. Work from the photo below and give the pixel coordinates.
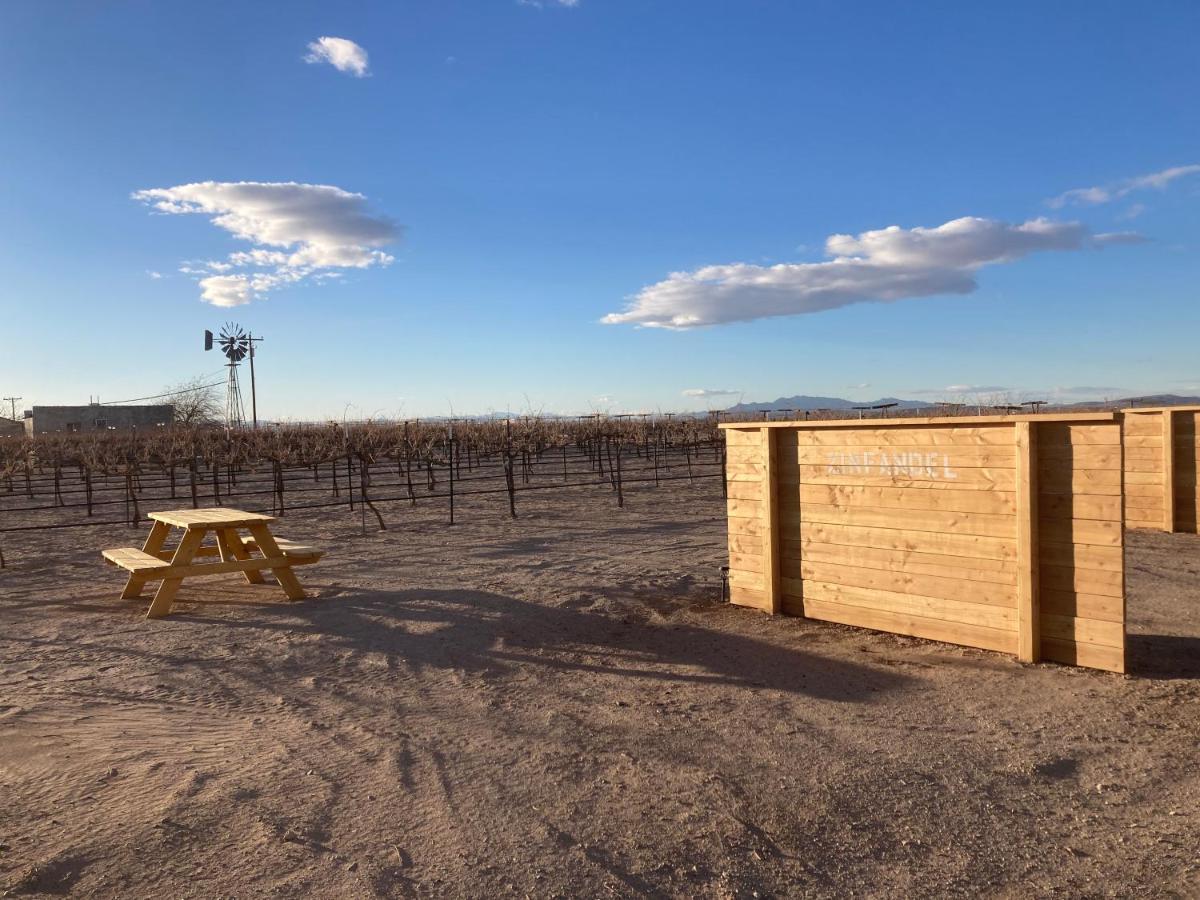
(190, 557)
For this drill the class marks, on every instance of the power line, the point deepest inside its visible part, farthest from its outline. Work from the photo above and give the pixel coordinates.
(157, 396)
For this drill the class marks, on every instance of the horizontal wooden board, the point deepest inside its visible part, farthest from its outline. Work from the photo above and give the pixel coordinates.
(1104, 559)
(1080, 506)
(744, 490)
(744, 543)
(1093, 656)
(954, 567)
(1089, 606)
(739, 437)
(958, 611)
(985, 638)
(965, 545)
(741, 596)
(744, 509)
(935, 462)
(1080, 531)
(1051, 434)
(1088, 457)
(1086, 581)
(1054, 478)
(747, 562)
(964, 480)
(751, 580)
(926, 520)
(921, 436)
(993, 502)
(958, 589)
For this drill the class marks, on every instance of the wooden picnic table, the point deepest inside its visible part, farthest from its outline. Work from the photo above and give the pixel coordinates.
(191, 557)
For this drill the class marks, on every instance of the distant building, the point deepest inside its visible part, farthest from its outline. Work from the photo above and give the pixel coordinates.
(10, 428)
(94, 417)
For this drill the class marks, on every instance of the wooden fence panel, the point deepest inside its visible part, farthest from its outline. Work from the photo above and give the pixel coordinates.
(1002, 533)
(1161, 460)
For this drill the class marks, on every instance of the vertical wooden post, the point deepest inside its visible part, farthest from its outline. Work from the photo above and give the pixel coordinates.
(1168, 466)
(1028, 608)
(772, 584)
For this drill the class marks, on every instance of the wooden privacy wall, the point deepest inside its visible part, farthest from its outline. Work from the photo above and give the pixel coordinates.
(996, 532)
(1161, 456)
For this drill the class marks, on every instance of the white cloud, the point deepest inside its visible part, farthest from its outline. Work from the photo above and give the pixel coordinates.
(709, 392)
(344, 55)
(859, 387)
(542, 4)
(299, 230)
(150, 273)
(1091, 196)
(884, 265)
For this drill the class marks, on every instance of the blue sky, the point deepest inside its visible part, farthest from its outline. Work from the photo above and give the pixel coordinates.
(526, 170)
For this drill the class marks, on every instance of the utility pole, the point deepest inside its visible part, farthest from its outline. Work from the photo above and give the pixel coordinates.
(13, 401)
(253, 393)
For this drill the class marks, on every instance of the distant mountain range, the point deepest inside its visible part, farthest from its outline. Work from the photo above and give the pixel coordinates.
(805, 402)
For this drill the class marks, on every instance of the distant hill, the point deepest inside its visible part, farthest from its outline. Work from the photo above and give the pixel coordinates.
(802, 401)
(1147, 400)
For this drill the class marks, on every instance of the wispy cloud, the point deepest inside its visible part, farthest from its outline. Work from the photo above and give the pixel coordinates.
(153, 275)
(542, 4)
(341, 53)
(885, 265)
(701, 393)
(1091, 196)
(297, 231)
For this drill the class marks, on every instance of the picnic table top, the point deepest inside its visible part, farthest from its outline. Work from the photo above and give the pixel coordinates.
(212, 517)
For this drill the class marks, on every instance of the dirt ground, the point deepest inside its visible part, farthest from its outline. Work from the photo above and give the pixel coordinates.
(561, 706)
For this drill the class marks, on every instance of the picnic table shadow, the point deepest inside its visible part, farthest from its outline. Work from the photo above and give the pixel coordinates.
(481, 631)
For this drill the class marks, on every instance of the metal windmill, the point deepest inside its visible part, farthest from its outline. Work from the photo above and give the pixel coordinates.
(235, 344)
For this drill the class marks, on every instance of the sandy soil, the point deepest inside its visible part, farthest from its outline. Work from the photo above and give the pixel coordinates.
(560, 706)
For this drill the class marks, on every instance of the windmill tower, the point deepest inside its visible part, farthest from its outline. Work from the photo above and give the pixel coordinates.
(235, 344)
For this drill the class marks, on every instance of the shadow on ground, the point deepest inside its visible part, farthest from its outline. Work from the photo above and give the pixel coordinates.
(482, 631)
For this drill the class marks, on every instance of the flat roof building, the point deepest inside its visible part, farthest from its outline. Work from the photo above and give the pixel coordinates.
(96, 417)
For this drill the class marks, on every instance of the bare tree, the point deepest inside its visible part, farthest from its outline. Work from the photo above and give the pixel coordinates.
(196, 402)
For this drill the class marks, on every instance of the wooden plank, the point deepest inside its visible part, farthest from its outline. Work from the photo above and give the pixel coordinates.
(1067, 577)
(930, 421)
(745, 490)
(992, 502)
(1054, 434)
(990, 571)
(744, 509)
(965, 545)
(922, 520)
(746, 562)
(1168, 471)
(1080, 605)
(210, 517)
(1081, 531)
(744, 543)
(1093, 656)
(1028, 613)
(743, 436)
(961, 633)
(1084, 556)
(1080, 506)
(743, 596)
(964, 480)
(751, 580)
(1055, 476)
(939, 436)
(875, 459)
(1107, 456)
(959, 611)
(958, 589)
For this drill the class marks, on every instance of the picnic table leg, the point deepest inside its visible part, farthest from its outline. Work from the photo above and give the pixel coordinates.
(154, 543)
(230, 543)
(184, 554)
(281, 568)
